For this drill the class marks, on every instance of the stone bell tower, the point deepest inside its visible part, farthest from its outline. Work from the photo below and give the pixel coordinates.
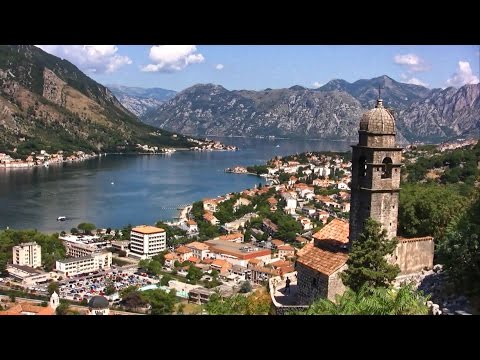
(376, 162)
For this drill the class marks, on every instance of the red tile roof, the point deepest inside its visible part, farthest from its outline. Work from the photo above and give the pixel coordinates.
(286, 247)
(323, 261)
(337, 230)
(277, 242)
(183, 250)
(23, 307)
(193, 259)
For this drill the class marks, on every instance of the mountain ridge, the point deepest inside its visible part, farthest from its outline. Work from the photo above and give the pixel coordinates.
(48, 103)
(330, 112)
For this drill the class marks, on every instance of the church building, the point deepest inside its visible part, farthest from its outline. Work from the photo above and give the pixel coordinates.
(376, 164)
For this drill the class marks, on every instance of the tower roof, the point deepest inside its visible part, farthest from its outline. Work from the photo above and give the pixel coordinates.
(378, 120)
(98, 302)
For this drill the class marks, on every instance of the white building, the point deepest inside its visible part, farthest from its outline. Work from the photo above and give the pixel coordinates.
(84, 264)
(199, 250)
(27, 254)
(147, 241)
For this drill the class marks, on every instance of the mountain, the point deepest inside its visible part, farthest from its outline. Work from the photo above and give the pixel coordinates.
(396, 94)
(445, 113)
(48, 103)
(208, 109)
(330, 112)
(140, 100)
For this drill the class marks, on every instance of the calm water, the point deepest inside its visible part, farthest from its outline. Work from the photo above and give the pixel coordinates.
(145, 188)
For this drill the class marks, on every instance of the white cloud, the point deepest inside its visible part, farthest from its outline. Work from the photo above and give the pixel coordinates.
(464, 75)
(93, 58)
(170, 58)
(219, 67)
(416, 81)
(412, 62)
(317, 84)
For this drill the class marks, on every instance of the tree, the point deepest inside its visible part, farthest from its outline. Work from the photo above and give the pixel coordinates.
(194, 274)
(62, 308)
(53, 287)
(165, 279)
(367, 263)
(427, 209)
(134, 300)
(160, 257)
(110, 289)
(459, 252)
(74, 231)
(256, 303)
(87, 228)
(373, 301)
(246, 287)
(162, 302)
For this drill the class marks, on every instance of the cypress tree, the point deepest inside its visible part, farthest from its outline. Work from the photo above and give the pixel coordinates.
(367, 262)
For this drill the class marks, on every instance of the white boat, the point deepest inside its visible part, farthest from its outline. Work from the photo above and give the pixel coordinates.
(277, 146)
(61, 218)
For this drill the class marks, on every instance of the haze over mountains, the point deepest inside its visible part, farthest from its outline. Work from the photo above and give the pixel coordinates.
(330, 112)
(140, 100)
(48, 103)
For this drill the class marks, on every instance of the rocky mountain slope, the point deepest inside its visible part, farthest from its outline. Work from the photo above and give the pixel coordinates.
(208, 109)
(48, 103)
(396, 94)
(330, 112)
(444, 114)
(139, 100)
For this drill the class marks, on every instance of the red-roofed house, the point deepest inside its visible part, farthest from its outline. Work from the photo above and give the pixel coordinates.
(183, 253)
(210, 205)
(334, 235)
(222, 266)
(286, 251)
(208, 216)
(235, 237)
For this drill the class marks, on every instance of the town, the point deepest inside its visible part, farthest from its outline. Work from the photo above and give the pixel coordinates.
(225, 244)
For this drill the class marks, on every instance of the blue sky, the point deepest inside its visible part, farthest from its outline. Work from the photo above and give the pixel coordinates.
(258, 67)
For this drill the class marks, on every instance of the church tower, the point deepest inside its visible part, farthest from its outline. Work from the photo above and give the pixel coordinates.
(376, 162)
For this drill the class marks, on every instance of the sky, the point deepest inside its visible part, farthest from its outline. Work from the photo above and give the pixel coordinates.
(257, 67)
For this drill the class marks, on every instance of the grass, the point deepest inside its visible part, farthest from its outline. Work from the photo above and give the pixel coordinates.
(189, 309)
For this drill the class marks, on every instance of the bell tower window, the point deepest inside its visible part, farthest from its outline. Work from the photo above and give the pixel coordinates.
(387, 168)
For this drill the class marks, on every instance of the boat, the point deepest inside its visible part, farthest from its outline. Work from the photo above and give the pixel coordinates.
(277, 146)
(61, 218)
(112, 183)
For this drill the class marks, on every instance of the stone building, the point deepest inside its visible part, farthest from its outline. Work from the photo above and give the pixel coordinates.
(376, 163)
(98, 305)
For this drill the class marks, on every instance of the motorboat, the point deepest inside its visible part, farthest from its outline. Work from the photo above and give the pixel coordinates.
(61, 218)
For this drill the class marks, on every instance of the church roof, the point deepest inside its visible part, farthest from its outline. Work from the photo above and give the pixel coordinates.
(337, 230)
(98, 302)
(323, 261)
(378, 120)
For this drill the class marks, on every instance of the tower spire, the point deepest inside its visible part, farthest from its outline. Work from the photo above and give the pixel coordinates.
(379, 100)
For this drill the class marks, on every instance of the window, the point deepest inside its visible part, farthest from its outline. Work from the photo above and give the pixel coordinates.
(314, 282)
(362, 166)
(387, 168)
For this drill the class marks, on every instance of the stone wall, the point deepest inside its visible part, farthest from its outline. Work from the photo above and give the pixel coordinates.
(414, 255)
(311, 284)
(335, 284)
